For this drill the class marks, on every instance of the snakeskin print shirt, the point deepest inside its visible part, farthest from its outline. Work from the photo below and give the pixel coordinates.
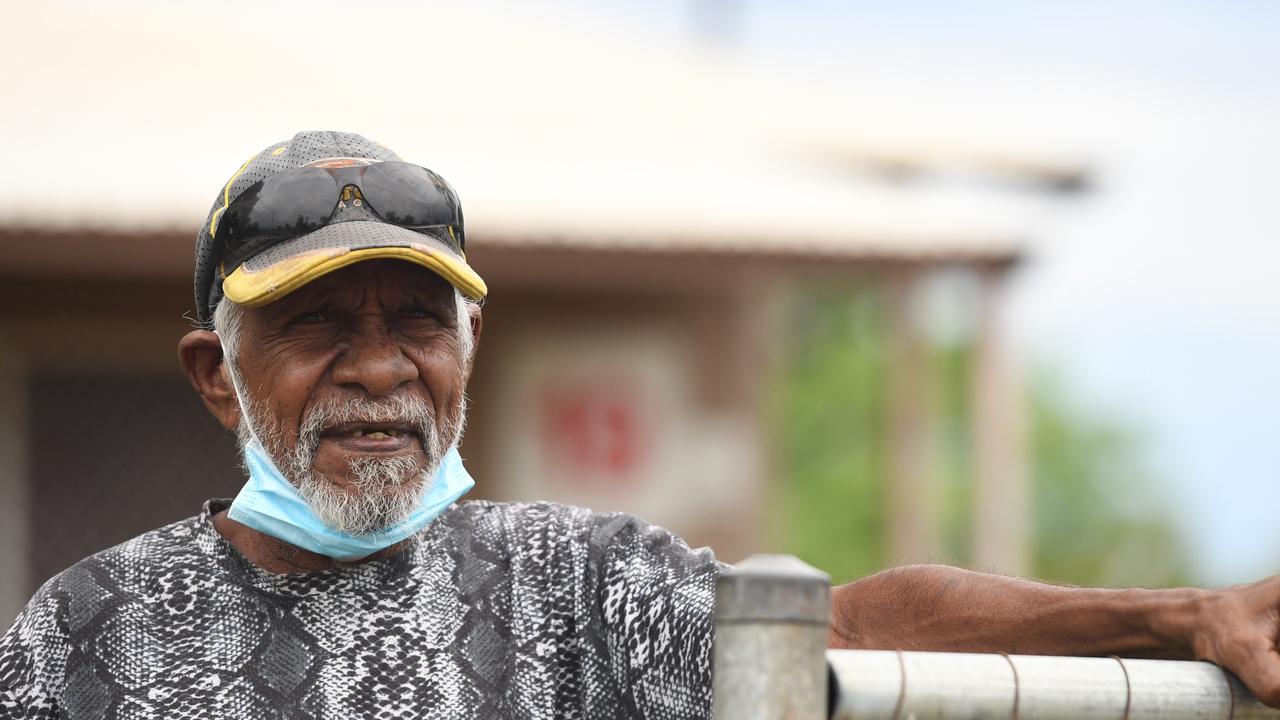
(496, 610)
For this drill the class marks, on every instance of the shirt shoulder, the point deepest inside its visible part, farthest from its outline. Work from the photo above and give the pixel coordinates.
(638, 598)
(123, 568)
(34, 652)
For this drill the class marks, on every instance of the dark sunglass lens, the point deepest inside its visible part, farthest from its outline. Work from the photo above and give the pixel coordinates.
(297, 201)
(408, 195)
(284, 205)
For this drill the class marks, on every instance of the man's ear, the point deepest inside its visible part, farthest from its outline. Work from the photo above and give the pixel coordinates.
(200, 353)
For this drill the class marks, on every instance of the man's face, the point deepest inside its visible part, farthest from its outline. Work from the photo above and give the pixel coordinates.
(355, 387)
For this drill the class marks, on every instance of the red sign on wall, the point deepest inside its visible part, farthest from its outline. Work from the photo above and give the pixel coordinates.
(593, 431)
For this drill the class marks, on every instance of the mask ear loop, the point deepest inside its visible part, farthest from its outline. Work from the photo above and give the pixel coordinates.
(239, 390)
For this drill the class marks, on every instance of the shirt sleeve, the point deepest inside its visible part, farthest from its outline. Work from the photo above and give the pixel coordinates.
(656, 598)
(25, 651)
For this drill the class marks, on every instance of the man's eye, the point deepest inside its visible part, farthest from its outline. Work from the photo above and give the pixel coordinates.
(309, 318)
(417, 313)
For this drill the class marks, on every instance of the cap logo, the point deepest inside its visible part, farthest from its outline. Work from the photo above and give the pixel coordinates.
(350, 194)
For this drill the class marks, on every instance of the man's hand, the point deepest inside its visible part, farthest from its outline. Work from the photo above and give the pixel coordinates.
(932, 607)
(1237, 628)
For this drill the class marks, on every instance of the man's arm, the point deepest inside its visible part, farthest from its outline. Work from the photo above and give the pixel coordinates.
(930, 607)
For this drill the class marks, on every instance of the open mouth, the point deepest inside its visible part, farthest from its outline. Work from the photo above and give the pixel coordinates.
(373, 437)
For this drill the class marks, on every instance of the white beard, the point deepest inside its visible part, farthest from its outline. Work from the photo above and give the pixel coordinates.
(383, 492)
(387, 491)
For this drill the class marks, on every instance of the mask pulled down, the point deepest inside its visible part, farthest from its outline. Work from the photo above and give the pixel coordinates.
(270, 504)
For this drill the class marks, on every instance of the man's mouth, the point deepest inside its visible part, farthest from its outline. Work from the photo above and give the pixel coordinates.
(373, 437)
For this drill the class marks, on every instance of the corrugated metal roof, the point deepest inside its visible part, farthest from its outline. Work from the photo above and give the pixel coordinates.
(549, 134)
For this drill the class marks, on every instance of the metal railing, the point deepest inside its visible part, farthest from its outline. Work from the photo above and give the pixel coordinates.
(771, 662)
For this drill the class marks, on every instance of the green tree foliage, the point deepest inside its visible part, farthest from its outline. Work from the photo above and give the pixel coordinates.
(828, 425)
(1098, 512)
(1100, 516)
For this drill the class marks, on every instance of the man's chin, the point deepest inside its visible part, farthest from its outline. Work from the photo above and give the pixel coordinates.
(346, 485)
(349, 469)
(348, 508)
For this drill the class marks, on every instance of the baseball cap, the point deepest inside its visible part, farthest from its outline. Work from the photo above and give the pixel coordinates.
(316, 203)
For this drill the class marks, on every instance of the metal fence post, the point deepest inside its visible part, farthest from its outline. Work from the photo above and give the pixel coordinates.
(770, 643)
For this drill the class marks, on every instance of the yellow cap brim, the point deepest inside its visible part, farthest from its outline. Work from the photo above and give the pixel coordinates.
(253, 288)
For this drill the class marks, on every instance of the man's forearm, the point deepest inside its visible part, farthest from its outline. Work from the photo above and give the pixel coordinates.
(933, 607)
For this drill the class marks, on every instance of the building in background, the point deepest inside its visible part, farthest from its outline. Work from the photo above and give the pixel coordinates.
(639, 214)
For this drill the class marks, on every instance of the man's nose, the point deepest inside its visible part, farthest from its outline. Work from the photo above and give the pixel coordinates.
(374, 362)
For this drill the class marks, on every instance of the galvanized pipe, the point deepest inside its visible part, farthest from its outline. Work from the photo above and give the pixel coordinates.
(771, 634)
(888, 685)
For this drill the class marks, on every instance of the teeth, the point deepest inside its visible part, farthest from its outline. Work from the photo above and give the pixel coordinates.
(376, 434)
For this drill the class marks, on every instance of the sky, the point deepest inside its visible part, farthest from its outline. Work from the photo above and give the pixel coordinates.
(1153, 294)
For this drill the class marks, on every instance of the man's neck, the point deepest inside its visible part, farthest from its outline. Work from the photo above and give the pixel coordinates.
(277, 556)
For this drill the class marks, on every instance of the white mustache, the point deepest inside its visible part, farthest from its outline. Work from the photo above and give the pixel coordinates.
(399, 409)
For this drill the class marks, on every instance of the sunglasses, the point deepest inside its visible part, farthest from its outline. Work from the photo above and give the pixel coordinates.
(298, 201)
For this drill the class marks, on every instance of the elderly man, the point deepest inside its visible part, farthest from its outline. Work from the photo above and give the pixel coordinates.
(344, 582)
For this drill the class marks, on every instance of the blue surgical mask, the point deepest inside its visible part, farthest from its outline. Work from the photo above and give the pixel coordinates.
(269, 503)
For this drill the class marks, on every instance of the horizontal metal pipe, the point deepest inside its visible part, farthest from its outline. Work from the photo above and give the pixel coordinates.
(889, 685)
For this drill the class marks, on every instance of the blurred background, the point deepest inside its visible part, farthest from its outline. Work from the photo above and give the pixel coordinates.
(987, 283)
